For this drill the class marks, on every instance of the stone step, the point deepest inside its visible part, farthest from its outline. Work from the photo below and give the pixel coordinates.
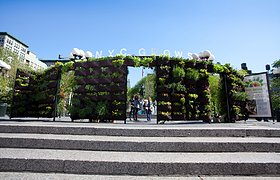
(140, 144)
(140, 131)
(59, 176)
(139, 163)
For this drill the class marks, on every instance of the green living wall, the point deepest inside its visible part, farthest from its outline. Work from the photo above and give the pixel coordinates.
(98, 89)
(36, 93)
(182, 91)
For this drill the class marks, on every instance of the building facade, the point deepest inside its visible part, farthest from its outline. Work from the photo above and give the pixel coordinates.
(32, 61)
(21, 49)
(11, 43)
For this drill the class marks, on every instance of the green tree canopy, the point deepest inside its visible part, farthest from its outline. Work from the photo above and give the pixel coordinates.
(148, 83)
(7, 80)
(275, 87)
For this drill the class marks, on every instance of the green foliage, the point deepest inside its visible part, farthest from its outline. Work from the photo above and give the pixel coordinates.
(7, 81)
(183, 100)
(118, 63)
(218, 68)
(102, 109)
(193, 96)
(215, 91)
(146, 61)
(149, 84)
(137, 61)
(177, 86)
(5, 90)
(178, 72)
(161, 81)
(276, 63)
(239, 96)
(67, 66)
(192, 74)
(275, 87)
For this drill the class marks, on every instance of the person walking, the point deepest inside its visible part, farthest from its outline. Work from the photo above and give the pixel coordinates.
(136, 107)
(148, 108)
(132, 107)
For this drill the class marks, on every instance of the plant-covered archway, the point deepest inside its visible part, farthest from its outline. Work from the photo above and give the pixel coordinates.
(98, 89)
(182, 91)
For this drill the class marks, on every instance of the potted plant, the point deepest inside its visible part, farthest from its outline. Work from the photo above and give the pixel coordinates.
(192, 75)
(178, 73)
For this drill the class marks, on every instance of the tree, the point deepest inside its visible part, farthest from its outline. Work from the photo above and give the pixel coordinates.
(148, 83)
(215, 91)
(275, 87)
(7, 80)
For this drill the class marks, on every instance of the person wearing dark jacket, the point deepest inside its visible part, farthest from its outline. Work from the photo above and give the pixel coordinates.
(131, 113)
(136, 107)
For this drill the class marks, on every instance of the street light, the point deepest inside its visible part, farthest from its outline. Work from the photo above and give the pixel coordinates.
(79, 54)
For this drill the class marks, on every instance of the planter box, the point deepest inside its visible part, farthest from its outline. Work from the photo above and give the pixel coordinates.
(174, 63)
(152, 64)
(190, 82)
(177, 108)
(163, 89)
(121, 107)
(203, 100)
(117, 89)
(189, 64)
(164, 107)
(22, 88)
(80, 90)
(162, 117)
(119, 80)
(99, 88)
(129, 62)
(203, 82)
(22, 74)
(104, 98)
(178, 117)
(119, 97)
(122, 69)
(177, 79)
(162, 72)
(3, 109)
(77, 65)
(51, 77)
(163, 98)
(177, 98)
(80, 81)
(82, 72)
(200, 65)
(163, 62)
(120, 117)
(52, 84)
(104, 63)
(210, 68)
(85, 65)
(100, 80)
(93, 64)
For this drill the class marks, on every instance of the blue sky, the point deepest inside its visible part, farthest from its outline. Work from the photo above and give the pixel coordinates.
(235, 31)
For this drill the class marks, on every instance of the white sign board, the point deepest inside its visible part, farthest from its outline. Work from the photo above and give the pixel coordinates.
(259, 99)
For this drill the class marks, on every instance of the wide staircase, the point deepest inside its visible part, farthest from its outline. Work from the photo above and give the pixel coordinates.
(33, 150)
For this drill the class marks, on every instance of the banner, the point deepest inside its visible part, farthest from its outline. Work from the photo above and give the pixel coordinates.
(257, 87)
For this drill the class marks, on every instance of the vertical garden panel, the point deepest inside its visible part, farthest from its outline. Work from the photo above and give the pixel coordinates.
(100, 91)
(35, 94)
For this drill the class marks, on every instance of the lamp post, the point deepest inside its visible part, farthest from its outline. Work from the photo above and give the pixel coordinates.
(79, 54)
